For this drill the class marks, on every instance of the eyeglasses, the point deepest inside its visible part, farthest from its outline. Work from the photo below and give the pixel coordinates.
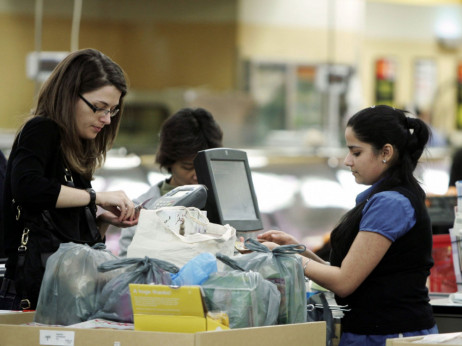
(101, 111)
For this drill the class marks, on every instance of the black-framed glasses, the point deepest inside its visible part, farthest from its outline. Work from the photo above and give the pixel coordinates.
(101, 111)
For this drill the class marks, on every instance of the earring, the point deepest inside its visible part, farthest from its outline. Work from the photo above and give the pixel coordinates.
(384, 161)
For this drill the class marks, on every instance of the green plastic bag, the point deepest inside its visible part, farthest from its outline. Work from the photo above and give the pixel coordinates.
(247, 298)
(72, 284)
(283, 268)
(114, 302)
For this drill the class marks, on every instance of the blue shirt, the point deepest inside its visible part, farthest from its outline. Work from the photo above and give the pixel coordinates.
(382, 215)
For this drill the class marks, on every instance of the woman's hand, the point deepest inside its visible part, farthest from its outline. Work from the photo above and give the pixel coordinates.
(116, 202)
(112, 219)
(278, 237)
(120, 206)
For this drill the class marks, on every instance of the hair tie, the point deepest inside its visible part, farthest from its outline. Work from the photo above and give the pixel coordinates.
(408, 123)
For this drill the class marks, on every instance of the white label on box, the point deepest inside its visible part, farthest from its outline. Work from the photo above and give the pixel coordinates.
(56, 338)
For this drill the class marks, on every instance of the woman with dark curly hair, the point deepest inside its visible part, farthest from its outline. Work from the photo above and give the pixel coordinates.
(182, 136)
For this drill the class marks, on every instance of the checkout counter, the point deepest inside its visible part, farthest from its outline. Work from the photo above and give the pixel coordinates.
(446, 309)
(448, 314)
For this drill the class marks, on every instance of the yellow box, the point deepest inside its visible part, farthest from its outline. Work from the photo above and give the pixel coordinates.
(14, 334)
(163, 308)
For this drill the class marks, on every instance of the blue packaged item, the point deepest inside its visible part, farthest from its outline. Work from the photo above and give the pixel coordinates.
(196, 270)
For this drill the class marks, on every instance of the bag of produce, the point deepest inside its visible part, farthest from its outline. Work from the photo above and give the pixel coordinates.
(72, 284)
(247, 298)
(114, 302)
(283, 268)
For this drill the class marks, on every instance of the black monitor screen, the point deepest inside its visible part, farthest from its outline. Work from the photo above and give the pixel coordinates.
(231, 197)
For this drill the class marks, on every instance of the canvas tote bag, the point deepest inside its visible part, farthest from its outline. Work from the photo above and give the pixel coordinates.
(178, 234)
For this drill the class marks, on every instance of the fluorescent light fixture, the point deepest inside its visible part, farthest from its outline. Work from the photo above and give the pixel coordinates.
(448, 28)
(274, 192)
(319, 192)
(122, 162)
(155, 177)
(435, 181)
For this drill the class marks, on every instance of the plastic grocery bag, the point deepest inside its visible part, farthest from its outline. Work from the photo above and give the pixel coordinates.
(196, 271)
(72, 283)
(114, 302)
(178, 234)
(317, 309)
(285, 270)
(247, 298)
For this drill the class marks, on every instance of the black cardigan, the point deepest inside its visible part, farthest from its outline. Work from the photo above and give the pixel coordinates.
(34, 175)
(394, 297)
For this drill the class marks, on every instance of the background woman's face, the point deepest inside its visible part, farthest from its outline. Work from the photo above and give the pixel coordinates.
(183, 172)
(89, 123)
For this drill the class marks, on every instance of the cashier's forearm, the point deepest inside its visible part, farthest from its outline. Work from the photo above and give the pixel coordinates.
(322, 273)
(363, 256)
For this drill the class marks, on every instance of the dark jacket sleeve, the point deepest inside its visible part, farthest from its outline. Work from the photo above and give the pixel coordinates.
(34, 182)
(2, 183)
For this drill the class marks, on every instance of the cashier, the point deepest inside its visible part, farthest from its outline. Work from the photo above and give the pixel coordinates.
(381, 249)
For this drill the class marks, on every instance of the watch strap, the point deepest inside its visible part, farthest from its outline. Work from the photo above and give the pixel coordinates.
(92, 196)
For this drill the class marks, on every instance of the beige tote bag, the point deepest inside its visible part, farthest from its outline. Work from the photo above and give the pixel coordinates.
(177, 234)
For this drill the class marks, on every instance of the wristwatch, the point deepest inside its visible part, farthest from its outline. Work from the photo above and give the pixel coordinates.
(92, 197)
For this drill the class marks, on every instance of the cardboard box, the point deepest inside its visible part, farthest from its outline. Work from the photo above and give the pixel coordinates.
(428, 340)
(14, 334)
(162, 308)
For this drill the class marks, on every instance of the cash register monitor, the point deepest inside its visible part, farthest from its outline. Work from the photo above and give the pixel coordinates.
(231, 196)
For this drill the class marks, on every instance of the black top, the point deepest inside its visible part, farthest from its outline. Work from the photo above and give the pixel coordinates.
(34, 175)
(394, 298)
(455, 173)
(2, 181)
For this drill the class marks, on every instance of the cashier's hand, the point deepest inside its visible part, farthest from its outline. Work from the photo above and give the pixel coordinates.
(278, 237)
(270, 245)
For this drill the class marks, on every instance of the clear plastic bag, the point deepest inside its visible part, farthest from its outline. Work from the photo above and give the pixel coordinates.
(318, 310)
(72, 284)
(247, 298)
(196, 270)
(284, 269)
(114, 302)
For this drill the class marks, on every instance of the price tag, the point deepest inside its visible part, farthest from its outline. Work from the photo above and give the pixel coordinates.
(57, 338)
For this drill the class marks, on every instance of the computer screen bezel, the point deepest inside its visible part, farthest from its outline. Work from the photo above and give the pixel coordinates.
(205, 176)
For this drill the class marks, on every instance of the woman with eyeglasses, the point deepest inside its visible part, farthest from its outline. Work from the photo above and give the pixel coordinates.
(382, 248)
(48, 197)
